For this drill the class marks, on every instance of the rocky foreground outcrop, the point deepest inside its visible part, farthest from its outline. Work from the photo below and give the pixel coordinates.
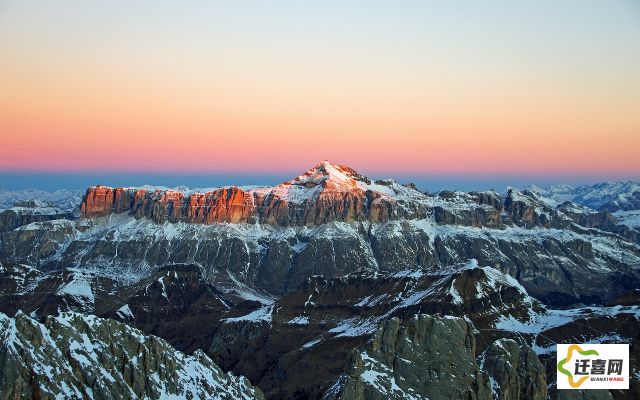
(435, 358)
(514, 370)
(277, 342)
(75, 356)
(319, 324)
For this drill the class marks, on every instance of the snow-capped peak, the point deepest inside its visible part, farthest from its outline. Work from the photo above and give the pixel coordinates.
(324, 177)
(326, 172)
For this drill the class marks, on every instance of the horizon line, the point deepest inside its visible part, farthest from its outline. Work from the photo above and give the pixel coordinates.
(606, 175)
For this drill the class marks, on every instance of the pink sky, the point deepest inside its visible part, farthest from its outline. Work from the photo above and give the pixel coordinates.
(386, 95)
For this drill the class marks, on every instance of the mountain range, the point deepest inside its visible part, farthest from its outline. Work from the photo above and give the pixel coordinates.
(327, 286)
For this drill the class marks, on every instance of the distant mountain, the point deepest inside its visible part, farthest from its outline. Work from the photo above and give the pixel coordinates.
(64, 199)
(610, 196)
(24, 212)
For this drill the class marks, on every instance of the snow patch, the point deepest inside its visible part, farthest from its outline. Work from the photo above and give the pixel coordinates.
(125, 312)
(354, 327)
(300, 320)
(79, 287)
(261, 314)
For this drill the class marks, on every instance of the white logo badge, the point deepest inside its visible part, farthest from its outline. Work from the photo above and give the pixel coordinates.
(593, 366)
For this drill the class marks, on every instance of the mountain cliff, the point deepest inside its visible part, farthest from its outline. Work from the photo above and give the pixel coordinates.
(323, 194)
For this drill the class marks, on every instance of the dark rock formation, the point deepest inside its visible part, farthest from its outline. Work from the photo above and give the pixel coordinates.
(602, 220)
(79, 356)
(515, 371)
(435, 358)
(560, 267)
(314, 327)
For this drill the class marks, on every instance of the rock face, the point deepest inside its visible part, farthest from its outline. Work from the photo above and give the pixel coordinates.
(559, 267)
(328, 193)
(325, 193)
(77, 356)
(427, 358)
(435, 358)
(515, 371)
(603, 220)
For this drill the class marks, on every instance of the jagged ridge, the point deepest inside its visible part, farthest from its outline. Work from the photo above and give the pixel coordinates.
(77, 356)
(323, 194)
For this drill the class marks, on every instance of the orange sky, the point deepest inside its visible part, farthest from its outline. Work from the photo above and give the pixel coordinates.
(538, 90)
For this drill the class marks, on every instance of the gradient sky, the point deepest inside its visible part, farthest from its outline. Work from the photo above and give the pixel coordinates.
(405, 88)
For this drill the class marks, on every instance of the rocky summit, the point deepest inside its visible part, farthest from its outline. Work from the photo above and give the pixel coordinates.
(330, 285)
(323, 194)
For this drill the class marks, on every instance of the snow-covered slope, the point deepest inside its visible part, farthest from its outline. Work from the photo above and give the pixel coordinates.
(75, 356)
